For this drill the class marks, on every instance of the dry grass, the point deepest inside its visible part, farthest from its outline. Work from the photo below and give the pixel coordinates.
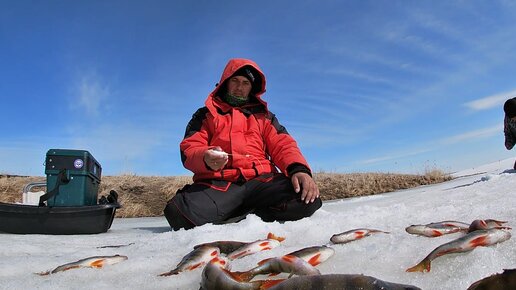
(147, 195)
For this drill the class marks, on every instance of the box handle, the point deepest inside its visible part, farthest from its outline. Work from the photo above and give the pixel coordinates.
(62, 178)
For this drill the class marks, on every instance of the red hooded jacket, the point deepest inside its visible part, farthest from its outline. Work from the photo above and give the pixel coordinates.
(251, 134)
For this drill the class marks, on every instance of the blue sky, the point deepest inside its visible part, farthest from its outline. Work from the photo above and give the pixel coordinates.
(381, 86)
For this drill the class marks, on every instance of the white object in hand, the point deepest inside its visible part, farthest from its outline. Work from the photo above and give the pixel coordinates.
(219, 153)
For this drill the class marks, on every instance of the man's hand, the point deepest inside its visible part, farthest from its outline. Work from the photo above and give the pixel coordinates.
(310, 191)
(215, 158)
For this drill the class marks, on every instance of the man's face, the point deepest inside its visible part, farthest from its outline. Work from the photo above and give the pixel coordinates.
(239, 86)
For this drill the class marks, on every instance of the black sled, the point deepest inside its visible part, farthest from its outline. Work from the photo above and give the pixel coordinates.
(70, 205)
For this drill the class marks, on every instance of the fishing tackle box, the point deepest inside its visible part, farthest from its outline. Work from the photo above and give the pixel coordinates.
(70, 204)
(76, 173)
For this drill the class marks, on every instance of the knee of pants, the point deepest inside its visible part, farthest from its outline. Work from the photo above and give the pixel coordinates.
(289, 211)
(175, 219)
(309, 208)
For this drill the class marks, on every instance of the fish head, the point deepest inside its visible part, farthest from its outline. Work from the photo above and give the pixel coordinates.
(208, 251)
(326, 252)
(415, 229)
(322, 254)
(499, 235)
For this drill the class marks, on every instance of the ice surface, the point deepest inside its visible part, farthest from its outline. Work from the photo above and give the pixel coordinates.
(480, 193)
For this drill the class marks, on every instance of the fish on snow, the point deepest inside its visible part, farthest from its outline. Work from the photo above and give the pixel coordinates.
(227, 247)
(91, 262)
(479, 238)
(194, 260)
(314, 255)
(437, 229)
(254, 247)
(217, 275)
(352, 235)
(284, 264)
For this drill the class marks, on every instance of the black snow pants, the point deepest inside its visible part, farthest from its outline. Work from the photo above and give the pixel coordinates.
(269, 196)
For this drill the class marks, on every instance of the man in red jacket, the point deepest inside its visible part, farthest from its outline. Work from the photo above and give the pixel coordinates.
(242, 158)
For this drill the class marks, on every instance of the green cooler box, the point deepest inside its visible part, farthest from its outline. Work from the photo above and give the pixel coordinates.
(76, 174)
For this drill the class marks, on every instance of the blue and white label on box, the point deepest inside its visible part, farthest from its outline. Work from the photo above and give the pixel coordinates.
(78, 163)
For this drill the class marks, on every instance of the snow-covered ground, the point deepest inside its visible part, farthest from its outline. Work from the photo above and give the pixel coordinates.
(480, 193)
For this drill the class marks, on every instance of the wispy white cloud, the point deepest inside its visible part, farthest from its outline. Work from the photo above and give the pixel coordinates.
(394, 156)
(490, 101)
(476, 134)
(90, 92)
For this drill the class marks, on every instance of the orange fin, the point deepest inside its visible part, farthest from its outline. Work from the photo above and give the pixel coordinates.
(242, 276)
(195, 266)
(480, 241)
(359, 235)
(97, 263)
(423, 266)
(169, 273)
(314, 261)
(274, 237)
(436, 233)
(288, 258)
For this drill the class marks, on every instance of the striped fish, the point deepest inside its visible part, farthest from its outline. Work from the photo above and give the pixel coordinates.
(254, 247)
(437, 229)
(193, 260)
(353, 235)
(431, 232)
(479, 238)
(314, 255)
(216, 275)
(284, 264)
(91, 262)
(227, 247)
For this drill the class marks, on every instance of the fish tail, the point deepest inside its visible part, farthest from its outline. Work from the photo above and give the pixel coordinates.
(169, 273)
(43, 273)
(502, 228)
(238, 276)
(498, 222)
(242, 276)
(423, 266)
(274, 237)
(266, 284)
